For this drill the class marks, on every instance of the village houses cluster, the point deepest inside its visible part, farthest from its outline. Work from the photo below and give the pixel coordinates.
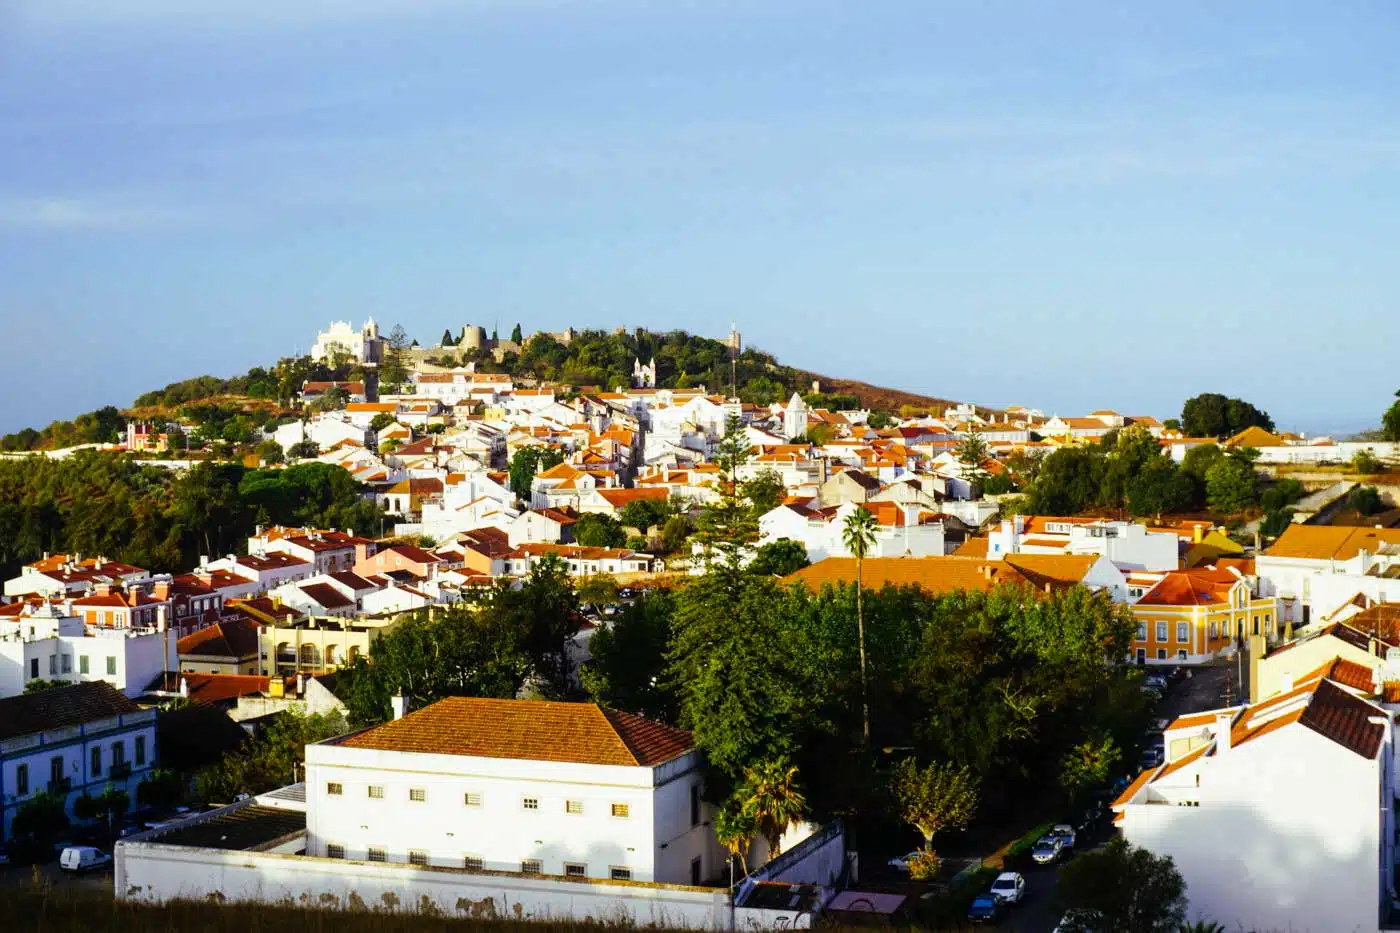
(575, 809)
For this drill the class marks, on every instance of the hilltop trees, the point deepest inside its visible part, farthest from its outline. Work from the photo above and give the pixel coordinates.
(1213, 415)
(1390, 421)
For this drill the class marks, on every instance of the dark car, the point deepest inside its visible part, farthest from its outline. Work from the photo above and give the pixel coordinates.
(986, 908)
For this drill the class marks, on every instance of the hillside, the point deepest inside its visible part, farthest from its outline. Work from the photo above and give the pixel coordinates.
(232, 407)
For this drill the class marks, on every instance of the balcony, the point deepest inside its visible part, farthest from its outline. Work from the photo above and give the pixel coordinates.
(60, 785)
(119, 771)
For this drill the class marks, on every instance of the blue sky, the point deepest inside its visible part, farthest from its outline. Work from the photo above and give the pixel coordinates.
(1071, 206)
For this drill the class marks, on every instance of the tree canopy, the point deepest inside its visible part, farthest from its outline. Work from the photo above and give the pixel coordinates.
(1214, 415)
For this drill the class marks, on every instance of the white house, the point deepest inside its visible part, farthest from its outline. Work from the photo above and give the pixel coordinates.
(1315, 569)
(71, 741)
(325, 430)
(1279, 815)
(523, 786)
(340, 338)
(1129, 545)
(902, 529)
(48, 642)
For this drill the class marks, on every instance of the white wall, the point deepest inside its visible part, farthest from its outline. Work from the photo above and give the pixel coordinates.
(1286, 837)
(501, 831)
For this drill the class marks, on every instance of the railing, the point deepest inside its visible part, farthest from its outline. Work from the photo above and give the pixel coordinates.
(60, 785)
(119, 770)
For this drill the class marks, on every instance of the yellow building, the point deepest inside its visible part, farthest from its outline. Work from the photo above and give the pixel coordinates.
(1191, 615)
(315, 645)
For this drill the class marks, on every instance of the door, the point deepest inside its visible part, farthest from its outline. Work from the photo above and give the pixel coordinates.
(695, 871)
(1142, 656)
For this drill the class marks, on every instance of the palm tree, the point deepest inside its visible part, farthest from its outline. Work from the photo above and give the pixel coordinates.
(735, 828)
(858, 533)
(772, 798)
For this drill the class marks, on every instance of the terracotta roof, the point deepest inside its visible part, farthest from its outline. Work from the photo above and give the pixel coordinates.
(412, 553)
(1255, 436)
(1323, 542)
(535, 730)
(1196, 587)
(237, 638)
(932, 574)
(1381, 620)
(1131, 790)
(1344, 719)
(60, 707)
(1181, 762)
(1347, 673)
(216, 688)
(1196, 719)
(327, 596)
(620, 498)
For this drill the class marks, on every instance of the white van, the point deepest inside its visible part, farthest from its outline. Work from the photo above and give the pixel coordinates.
(83, 858)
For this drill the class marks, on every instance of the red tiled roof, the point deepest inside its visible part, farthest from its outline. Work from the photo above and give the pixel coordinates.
(327, 596)
(237, 638)
(60, 707)
(536, 730)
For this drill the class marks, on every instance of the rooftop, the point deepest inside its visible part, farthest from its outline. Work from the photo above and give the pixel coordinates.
(243, 829)
(61, 707)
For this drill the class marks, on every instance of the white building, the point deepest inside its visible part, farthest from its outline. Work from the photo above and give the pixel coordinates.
(46, 642)
(903, 529)
(1279, 816)
(522, 786)
(365, 345)
(1129, 545)
(1316, 569)
(71, 741)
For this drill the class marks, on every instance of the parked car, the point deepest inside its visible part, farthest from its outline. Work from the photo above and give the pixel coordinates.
(626, 592)
(901, 862)
(1009, 886)
(1156, 680)
(986, 908)
(1065, 833)
(1151, 758)
(78, 859)
(1047, 849)
(1155, 692)
(1079, 920)
(1154, 740)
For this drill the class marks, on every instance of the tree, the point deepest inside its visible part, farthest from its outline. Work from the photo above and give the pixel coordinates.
(515, 335)
(304, 450)
(858, 534)
(333, 399)
(447, 340)
(1160, 487)
(525, 463)
(1365, 462)
(779, 558)
(1213, 415)
(161, 788)
(764, 492)
(270, 452)
(1068, 481)
(627, 668)
(39, 820)
(933, 798)
(393, 368)
(593, 529)
(772, 796)
(1132, 889)
(39, 685)
(1172, 424)
(1232, 486)
(971, 453)
(735, 827)
(271, 760)
(1199, 460)
(1365, 500)
(674, 533)
(643, 513)
(879, 420)
(1086, 766)
(1390, 421)
(380, 421)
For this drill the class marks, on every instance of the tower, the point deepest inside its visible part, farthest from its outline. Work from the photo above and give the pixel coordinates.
(643, 377)
(795, 417)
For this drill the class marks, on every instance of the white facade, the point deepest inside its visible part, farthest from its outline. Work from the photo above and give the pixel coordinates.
(1257, 854)
(821, 534)
(364, 345)
(47, 646)
(1129, 545)
(1311, 589)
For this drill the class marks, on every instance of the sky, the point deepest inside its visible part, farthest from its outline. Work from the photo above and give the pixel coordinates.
(1068, 206)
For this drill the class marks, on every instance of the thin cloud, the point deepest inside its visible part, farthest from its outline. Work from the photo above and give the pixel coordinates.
(83, 215)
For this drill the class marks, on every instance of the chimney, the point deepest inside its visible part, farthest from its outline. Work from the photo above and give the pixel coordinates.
(161, 590)
(161, 621)
(1197, 533)
(184, 687)
(1223, 721)
(399, 704)
(301, 686)
(104, 589)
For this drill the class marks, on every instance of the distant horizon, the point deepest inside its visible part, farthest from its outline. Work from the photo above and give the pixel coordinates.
(1311, 427)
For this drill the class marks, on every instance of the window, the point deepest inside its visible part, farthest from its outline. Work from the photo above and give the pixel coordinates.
(1181, 655)
(473, 863)
(1256, 625)
(417, 857)
(1142, 631)
(96, 762)
(617, 873)
(1215, 630)
(376, 792)
(376, 854)
(83, 667)
(118, 753)
(112, 665)
(335, 850)
(1181, 635)
(1161, 631)
(622, 810)
(530, 803)
(1161, 654)
(334, 789)
(33, 668)
(22, 780)
(417, 795)
(472, 800)
(575, 870)
(695, 805)
(140, 749)
(53, 664)
(573, 806)
(67, 664)
(55, 769)
(531, 866)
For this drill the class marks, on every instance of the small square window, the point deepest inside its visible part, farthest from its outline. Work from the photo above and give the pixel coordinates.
(376, 854)
(531, 866)
(334, 850)
(573, 806)
(618, 873)
(417, 795)
(112, 665)
(530, 803)
(417, 857)
(1161, 654)
(473, 863)
(472, 800)
(575, 870)
(376, 792)
(621, 810)
(334, 789)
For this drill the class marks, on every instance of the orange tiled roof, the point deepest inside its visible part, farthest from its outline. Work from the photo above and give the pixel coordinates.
(938, 574)
(1324, 542)
(1196, 587)
(535, 730)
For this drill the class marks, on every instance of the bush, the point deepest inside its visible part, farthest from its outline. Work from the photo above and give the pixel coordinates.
(1365, 500)
(1367, 462)
(925, 865)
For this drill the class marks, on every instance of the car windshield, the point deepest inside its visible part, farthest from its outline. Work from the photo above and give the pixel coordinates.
(983, 901)
(1004, 884)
